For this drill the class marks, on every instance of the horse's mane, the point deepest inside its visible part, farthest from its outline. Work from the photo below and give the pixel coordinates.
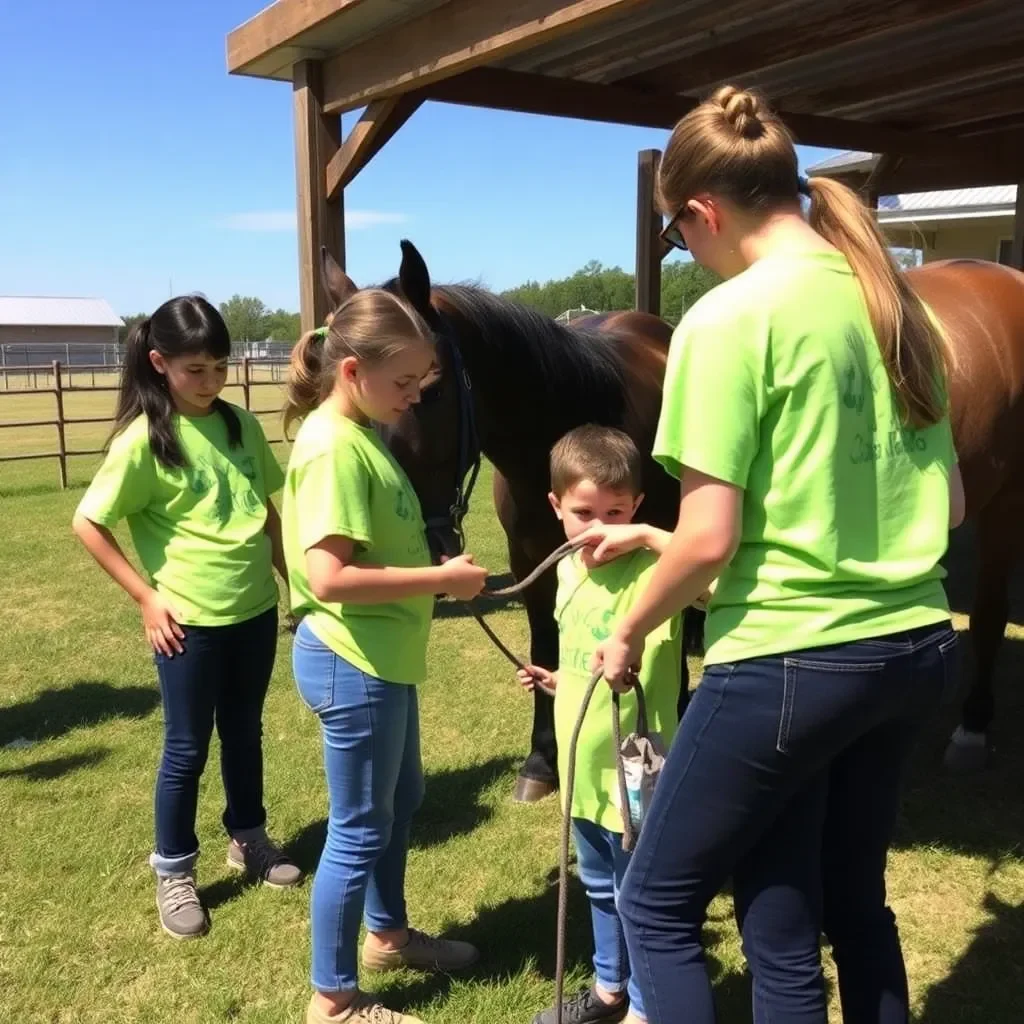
(573, 365)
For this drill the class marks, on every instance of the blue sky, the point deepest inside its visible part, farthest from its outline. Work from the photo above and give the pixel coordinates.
(131, 163)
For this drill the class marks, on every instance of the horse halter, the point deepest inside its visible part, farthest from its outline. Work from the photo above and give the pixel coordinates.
(469, 456)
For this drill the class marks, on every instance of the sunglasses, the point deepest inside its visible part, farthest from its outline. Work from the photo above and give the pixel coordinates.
(671, 235)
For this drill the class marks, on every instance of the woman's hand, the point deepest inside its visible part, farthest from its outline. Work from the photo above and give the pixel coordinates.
(610, 540)
(618, 658)
(160, 623)
(536, 675)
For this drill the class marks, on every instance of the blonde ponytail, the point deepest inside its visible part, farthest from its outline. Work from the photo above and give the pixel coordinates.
(912, 346)
(371, 325)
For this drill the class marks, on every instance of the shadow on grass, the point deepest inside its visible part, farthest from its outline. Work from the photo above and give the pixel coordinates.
(224, 890)
(452, 806)
(519, 935)
(54, 712)
(55, 767)
(985, 984)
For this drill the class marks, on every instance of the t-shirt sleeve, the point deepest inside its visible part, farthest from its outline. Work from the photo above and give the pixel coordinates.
(713, 396)
(333, 498)
(124, 484)
(273, 475)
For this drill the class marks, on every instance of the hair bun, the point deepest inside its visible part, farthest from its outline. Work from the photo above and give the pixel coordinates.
(742, 111)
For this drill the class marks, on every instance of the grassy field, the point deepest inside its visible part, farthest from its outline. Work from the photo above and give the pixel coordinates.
(78, 936)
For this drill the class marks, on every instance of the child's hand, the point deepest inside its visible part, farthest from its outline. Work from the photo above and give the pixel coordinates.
(461, 578)
(534, 675)
(610, 540)
(160, 623)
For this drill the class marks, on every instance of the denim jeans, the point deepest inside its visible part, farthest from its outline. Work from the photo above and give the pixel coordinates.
(371, 736)
(601, 862)
(785, 775)
(221, 678)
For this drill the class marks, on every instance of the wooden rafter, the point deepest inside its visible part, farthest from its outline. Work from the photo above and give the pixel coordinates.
(381, 119)
(454, 37)
(539, 94)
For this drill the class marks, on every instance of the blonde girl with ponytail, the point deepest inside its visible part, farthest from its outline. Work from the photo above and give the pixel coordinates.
(363, 585)
(805, 415)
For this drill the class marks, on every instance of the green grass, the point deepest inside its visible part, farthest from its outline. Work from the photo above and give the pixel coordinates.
(78, 935)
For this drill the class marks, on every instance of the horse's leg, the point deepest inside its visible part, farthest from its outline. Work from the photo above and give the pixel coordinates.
(538, 776)
(968, 749)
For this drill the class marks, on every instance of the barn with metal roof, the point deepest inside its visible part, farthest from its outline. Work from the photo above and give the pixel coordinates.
(57, 320)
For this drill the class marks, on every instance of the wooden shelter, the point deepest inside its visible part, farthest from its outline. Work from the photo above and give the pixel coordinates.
(936, 86)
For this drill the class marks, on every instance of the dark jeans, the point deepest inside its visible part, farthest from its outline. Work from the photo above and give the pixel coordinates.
(222, 677)
(785, 776)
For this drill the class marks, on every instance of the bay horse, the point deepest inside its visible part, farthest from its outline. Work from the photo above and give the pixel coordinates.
(513, 381)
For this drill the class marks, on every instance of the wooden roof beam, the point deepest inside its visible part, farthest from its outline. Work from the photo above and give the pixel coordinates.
(381, 119)
(457, 36)
(560, 97)
(277, 25)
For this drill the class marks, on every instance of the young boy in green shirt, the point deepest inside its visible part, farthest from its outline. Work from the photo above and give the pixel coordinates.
(596, 477)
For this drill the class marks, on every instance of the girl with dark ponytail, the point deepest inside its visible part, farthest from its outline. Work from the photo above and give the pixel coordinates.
(192, 474)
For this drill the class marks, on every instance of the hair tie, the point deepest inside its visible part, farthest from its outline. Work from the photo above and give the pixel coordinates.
(320, 332)
(803, 185)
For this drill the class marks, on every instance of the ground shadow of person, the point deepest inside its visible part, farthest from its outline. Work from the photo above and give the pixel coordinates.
(53, 712)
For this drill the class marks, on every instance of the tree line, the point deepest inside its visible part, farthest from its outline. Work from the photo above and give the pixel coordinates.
(593, 287)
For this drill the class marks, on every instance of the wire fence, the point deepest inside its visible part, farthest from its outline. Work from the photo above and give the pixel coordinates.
(59, 380)
(22, 364)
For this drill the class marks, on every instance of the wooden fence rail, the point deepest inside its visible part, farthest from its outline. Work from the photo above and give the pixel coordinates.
(59, 389)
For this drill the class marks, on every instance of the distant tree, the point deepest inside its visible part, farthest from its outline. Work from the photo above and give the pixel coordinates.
(611, 288)
(283, 326)
(129, 322)
(246, 318)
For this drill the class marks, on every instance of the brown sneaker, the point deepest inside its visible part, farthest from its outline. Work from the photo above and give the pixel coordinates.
(422, 952)
(367, 1009)
(262, 861)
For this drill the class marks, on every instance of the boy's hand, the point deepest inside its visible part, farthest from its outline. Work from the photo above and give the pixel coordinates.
(534, 675)
(610, 540)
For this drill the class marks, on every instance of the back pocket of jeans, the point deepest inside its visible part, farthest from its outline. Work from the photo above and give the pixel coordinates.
(803, 672)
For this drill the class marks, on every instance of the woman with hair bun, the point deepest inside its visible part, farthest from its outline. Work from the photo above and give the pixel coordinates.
(805, 415)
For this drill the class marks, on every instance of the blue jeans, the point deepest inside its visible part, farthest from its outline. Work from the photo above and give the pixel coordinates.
(371, 735)
(785, 775)
(602, 863)
(221, 678)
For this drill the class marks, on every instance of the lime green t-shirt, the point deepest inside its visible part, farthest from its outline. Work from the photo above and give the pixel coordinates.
(343, 481)
(587, 607)
(199, 531)
(775, 383)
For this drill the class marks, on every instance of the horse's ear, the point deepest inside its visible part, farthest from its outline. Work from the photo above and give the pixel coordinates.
(336, 283)
(414, 278)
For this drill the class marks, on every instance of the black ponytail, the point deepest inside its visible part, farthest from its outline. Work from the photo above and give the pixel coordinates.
(186, 325)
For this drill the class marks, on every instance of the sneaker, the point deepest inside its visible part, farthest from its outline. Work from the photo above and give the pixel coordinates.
(422, 952)
(262, 861)
(367, 1009)
(583, 1007)
(181, 913)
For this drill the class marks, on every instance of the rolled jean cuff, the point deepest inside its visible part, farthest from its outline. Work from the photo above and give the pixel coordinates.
(164, 866)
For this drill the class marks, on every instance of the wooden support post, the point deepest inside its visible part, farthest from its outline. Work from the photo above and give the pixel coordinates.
(649, 249)
(245, 381)
(1017, 248)
(62, 451)
(320, 221)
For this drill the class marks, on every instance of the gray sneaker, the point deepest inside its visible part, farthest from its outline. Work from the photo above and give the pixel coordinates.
(262, 861)
(181, 913)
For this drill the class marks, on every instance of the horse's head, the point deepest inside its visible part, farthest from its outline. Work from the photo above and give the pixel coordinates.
(435, 442)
